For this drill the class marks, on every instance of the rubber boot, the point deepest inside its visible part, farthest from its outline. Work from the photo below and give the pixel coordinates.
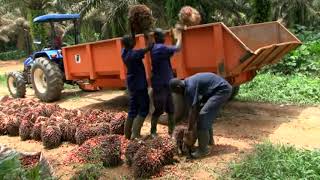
(171, 124)
(136, 127)
(211, 140)
(128, 128)
(154, 123)
(203, 141)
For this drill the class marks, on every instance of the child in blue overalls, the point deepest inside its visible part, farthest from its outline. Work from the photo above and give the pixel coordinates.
(137, 86)
(204, 93)
(162, 73)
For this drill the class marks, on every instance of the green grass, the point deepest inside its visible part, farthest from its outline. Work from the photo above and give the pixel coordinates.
(293, 89)
(278, 162)
(3, 80)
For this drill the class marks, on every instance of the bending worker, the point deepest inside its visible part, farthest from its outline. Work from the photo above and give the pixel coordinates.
(204, 93)
(162, 73)
(137, 86)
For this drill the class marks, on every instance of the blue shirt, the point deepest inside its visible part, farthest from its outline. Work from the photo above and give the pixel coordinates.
(136, 74)
(161, 66)
(203, 85)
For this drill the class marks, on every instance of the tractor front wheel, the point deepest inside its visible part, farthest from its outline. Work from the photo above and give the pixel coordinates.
(47, 80)
(16, 84)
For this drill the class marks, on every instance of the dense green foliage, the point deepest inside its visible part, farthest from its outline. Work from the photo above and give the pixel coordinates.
(3, 80)
(11, 168)
(12, 55)
(278, 162)
(262, 10)
(107, 19)
(297, 89)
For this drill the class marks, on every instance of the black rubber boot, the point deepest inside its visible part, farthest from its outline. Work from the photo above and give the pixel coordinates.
(136, 127)
(211, 140)
(154, 123)
(203, 141)
(171, 124)
(128, 128)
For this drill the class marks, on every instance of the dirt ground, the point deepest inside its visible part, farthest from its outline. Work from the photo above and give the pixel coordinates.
(240, 126)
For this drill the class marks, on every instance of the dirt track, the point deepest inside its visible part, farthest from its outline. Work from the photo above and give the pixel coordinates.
(240, 126)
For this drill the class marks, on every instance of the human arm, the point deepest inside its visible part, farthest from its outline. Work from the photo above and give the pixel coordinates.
(190, 136)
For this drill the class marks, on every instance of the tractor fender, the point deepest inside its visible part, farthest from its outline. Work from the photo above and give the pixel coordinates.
(50, 54)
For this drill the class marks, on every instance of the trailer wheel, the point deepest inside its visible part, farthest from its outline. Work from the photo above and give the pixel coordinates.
(47, 80)
(16, 84)
(235, 92)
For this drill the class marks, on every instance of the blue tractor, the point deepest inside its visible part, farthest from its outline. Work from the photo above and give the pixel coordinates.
(44, 69)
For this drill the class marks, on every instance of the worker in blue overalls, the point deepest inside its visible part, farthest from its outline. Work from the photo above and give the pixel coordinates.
(137, 86)
(162, 73)
(204, 93)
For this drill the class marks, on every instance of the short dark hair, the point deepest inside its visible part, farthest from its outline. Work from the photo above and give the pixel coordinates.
(128, 42)
(159, 35)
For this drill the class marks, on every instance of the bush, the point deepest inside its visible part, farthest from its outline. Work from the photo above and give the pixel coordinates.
(293, 89)
(12, 55)
(278, 162)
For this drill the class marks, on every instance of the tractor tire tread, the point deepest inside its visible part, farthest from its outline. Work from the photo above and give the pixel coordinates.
(20, 86)
(54, 80)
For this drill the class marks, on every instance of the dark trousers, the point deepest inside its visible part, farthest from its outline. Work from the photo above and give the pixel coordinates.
(162, 101)
(138, 103)
(211, 107)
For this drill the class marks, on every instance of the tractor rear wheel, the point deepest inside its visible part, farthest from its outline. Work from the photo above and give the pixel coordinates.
(47, 80)
(16, 84)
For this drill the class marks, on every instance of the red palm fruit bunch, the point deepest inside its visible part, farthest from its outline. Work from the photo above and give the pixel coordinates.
(178, 135)
(3, 123)
(111, 151)
(51, 136)
(117, 123)
(63, 125)
(101, 129)
(13, 125)
(105, 117)
(25, 129)
(140, 19)
(132, 149)
(147, 162)
(189, 16)
(84, 133)
(47, 110)
(166, 146)
(36, 130)
(69, 133)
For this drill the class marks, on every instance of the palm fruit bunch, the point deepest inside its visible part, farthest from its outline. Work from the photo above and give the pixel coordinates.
(117, 123)
(51, 136)
(166, 146)
(101, 129)
(188, 16)
(178, 135)
(140, 19)
(84, 133)
(13, 125)
(147, 162)
(132, 149)
(36, 130)
(69, 133)
(3, 123)
(111, 151)
(25, 129)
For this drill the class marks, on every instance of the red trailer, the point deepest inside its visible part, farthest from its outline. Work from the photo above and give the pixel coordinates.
(235, 53)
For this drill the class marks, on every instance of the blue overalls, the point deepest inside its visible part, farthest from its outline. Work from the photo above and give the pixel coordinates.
(161, 75)
(136, 82)
(211, 92)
